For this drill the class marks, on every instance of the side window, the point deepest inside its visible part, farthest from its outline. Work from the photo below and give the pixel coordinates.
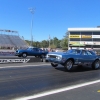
(74, 51)
(37, 49)
(84, 53)
(89, 53)
(78, 51)
(40, 49)
(34, 49)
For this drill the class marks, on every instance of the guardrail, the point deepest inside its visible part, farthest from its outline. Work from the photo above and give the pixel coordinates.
(7, 53)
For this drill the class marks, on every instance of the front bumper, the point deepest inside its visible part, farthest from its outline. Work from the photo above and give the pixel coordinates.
(54, 60)
(18, 54)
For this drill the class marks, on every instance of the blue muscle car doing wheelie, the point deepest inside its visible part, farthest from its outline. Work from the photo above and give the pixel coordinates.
(74, 57)
(33, 51)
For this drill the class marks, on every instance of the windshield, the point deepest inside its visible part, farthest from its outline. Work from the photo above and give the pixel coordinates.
(29, 48)
(73, 51)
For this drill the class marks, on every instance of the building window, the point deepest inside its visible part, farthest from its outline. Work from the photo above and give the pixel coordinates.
(86, 39)
(74, 33)
(96, 39)
(86, 33)
(96, 46)
(96, 33)
(74, 39)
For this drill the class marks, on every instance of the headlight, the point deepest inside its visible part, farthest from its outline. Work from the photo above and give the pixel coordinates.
(59, 57)
(17, 51)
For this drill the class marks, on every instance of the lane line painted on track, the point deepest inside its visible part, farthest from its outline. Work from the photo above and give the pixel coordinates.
(23, 66)
(57, 90)
(98, 91)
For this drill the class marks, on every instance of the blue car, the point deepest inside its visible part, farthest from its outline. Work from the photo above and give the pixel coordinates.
(74, 57)
(37, 52)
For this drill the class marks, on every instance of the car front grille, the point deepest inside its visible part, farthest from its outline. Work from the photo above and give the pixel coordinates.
(52, 56)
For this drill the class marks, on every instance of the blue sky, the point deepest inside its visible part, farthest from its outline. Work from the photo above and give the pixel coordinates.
(52, 17)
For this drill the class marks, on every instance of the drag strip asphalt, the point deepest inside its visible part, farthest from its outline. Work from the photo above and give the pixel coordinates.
(69, 93)
(14, 65)
(31, 79)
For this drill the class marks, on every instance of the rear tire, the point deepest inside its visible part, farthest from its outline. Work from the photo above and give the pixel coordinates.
(96, 64)
(68, 65)
(54, 64)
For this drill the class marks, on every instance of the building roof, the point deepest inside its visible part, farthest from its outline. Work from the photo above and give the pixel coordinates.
(84, 29)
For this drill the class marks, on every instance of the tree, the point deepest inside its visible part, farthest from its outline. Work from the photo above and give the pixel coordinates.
(64, 43)
(54, 43)
(28, 42)
(44, 44)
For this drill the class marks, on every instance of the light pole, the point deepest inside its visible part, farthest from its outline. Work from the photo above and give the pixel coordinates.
(49, 41)
(68, 38)
(32, 12)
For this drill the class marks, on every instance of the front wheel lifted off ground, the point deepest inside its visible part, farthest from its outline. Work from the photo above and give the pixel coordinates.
(54, 64)
(24, 55)
(96, 65)
(68, 65)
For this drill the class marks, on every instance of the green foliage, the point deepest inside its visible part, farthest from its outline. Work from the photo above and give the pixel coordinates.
(54, 43)
(44, 44)
(64, 43)
(53, 46)
(28, 42)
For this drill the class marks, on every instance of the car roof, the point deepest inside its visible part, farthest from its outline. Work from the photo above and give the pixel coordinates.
(32, 47)
(85, 50)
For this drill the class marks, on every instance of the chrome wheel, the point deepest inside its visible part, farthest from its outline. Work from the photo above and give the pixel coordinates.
(96, 64)
(24, 55)
(69, 65)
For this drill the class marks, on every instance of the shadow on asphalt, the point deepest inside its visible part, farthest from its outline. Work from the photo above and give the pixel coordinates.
(76, 69)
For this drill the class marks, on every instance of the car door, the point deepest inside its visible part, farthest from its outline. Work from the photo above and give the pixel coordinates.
(85, 58)
(92, 57)
(32, 51)
(35, 52)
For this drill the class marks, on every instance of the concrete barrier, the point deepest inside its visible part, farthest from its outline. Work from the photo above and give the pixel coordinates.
(7, 53)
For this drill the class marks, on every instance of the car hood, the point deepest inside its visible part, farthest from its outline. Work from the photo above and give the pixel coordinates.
(21, 50)
(58, 53)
